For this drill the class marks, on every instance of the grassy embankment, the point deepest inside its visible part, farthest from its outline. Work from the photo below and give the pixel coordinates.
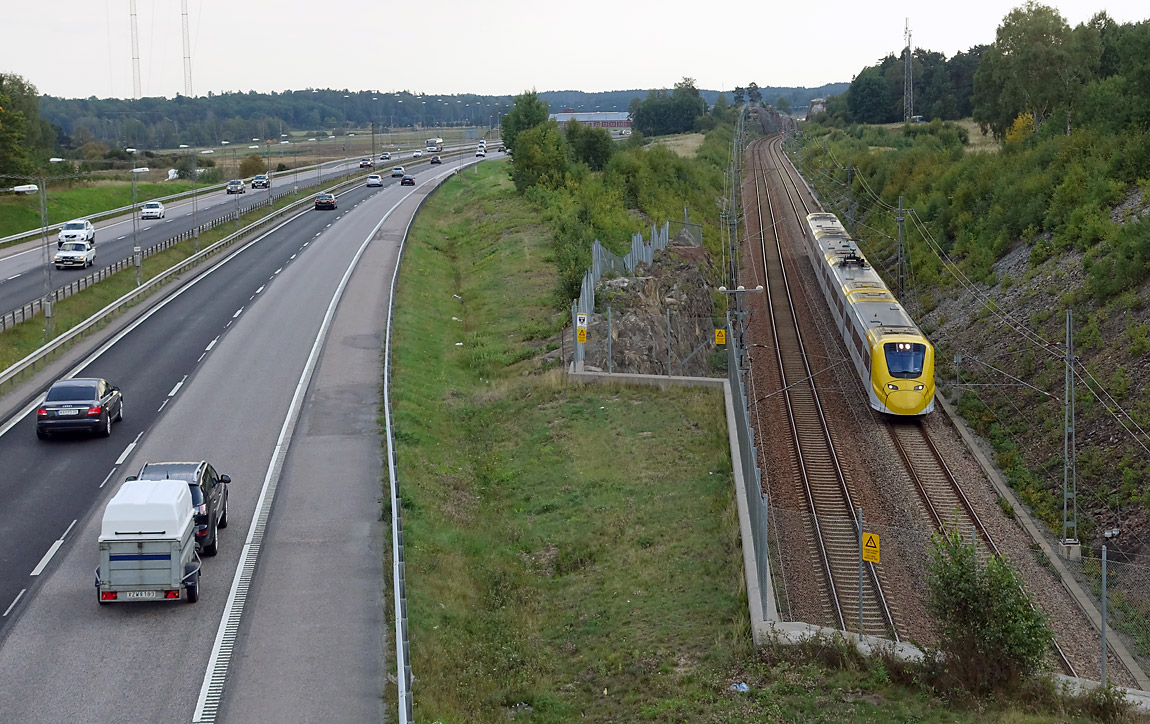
(23, 339)
(572, 552)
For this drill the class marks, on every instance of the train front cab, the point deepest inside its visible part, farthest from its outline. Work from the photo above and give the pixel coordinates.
(902, 373)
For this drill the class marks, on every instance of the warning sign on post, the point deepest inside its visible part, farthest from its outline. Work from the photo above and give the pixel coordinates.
(581, 335)
(720, 336)
(870, 547)
(581, 328)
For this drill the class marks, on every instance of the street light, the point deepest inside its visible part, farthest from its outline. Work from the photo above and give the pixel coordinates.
(136, 218)
(195, 185)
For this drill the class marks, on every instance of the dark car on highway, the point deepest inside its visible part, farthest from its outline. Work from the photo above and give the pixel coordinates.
(436, 159)
(325, 201)
(407, 181)
(209, 497)
(84, 404)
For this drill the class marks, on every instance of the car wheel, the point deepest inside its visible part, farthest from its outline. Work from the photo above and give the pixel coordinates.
(120, 412)
(106, 430)
(223, 522)
(210, 549)
(193, 584)
(58, 267)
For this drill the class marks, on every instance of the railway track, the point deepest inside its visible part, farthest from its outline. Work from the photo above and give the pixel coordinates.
(947, 506)
(833, 525)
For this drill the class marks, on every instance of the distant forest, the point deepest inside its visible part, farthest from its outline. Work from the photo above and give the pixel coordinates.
(166, 123)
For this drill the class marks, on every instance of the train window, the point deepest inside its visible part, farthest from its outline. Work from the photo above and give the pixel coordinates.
(905, 359)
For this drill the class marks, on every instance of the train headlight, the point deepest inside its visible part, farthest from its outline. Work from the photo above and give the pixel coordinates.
(891, 386)
(919, 388)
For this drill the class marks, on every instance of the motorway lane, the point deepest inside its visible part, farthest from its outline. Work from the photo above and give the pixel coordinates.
(23, 270)
(145, 661)
(48, 484)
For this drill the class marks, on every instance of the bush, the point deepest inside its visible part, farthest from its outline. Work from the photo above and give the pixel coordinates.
(252, 165)
(993, 638)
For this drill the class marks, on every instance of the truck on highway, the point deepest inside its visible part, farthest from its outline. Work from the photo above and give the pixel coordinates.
(147, 544)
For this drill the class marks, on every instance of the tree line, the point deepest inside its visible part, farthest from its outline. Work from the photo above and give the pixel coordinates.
(1038, 68)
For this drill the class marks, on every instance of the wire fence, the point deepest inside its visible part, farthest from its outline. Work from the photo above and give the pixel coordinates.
(34, 308)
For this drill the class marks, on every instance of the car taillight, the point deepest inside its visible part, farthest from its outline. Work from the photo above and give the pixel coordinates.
(95, 410)
(42, 412)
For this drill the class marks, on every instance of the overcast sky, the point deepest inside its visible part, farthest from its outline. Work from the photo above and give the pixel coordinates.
(80, 48)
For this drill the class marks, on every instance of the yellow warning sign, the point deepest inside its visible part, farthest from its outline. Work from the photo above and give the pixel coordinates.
(582, 335)
(720, 336)
(870, 547)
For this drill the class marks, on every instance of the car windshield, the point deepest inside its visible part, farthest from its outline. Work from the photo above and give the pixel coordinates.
(151, 205)
(60, 393)
(73, 225)
(73, 246)
(171, 471)
(905, 359)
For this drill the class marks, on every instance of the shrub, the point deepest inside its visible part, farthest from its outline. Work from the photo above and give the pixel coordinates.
(992, 638)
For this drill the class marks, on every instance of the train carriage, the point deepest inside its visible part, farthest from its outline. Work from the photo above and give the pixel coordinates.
(891, 355)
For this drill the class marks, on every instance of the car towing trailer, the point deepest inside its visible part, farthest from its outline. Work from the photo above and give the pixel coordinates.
(147, 544)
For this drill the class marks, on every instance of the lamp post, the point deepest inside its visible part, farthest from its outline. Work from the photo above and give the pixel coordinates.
(195, 185)
(136, 251)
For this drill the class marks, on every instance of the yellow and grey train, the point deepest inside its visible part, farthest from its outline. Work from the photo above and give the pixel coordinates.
(891, 355)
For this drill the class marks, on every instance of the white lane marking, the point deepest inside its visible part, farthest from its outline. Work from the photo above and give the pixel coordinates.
(329, 225)
(251, 297)
(291, 257)
(211, 344)
(257, 292)
(14, 602)
(278, 271)
(318, 233)
(163, 404)
(177, 387)
(168, 221)
(69, 530)
(301, 248)
(229, 323)
(220, 660)
(205, 354)
(111, 473)
(128, 450)
(16, 275)
(47, 557)
(238, 312)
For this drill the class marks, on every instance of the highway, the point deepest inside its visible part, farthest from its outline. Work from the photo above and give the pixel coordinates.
(212, 374)
(24, 273)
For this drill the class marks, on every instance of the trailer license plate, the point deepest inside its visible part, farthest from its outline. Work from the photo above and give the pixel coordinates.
(139, 594)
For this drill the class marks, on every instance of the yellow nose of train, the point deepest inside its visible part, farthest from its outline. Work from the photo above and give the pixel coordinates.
(910, 401)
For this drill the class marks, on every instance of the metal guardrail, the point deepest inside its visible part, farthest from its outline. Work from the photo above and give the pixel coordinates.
(145, 289)
(31, 309)
(101, 215)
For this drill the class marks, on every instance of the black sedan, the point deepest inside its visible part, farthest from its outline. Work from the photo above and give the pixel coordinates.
(86, 404)
(407, 181)
(436, 159)
(325, 201)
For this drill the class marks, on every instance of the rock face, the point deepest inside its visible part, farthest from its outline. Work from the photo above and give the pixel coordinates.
(675, 283)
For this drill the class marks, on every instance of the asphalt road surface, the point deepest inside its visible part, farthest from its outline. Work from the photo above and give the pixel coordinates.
(212, 374)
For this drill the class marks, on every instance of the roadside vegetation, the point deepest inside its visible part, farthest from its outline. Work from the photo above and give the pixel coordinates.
(572, 552)
(1055, 220)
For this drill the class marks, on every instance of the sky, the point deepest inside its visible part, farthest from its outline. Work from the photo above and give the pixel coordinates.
(82, 48)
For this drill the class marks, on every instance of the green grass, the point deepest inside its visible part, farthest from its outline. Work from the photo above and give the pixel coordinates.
(572, 552)
(21, 213)
(23, 339)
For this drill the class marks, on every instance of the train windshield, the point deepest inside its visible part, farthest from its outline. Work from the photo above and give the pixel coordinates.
(905, 359)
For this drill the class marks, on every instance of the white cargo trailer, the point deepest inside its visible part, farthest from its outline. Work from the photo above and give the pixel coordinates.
(147, 544)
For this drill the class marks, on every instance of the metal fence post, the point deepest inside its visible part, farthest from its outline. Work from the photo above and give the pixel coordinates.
(668, 342)
(1104, 615)
(860, 571)
(610, 366)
